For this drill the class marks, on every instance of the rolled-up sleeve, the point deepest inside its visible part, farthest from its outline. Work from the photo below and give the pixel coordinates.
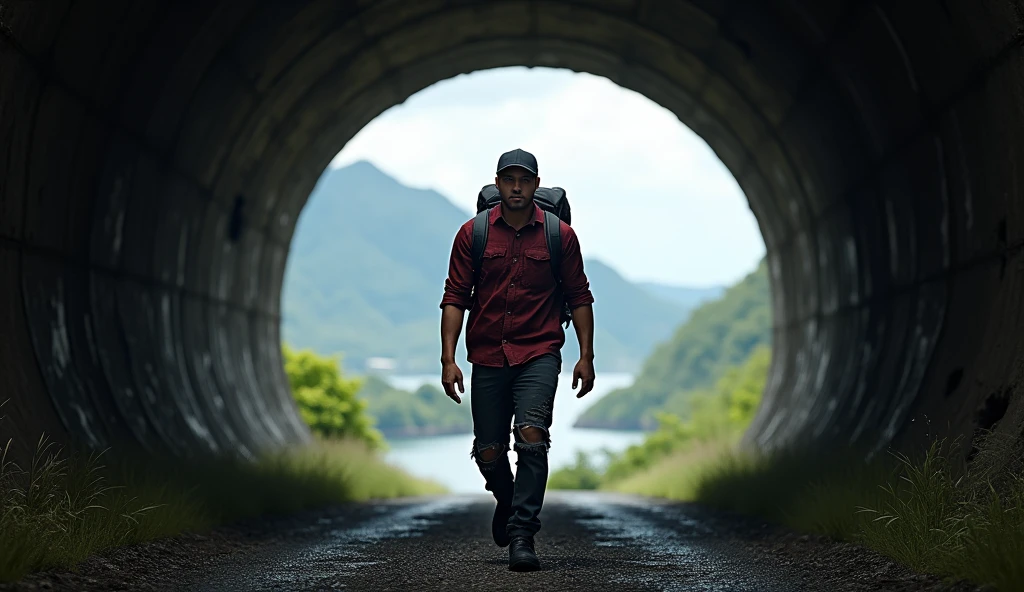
(459, 284)
(575, 285)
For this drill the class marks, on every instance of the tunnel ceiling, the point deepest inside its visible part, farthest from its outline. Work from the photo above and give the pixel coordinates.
(154, 157)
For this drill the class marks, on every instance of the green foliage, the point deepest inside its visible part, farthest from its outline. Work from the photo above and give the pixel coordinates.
(580, 475)
(63, 508)
(425, 412)
(672, 434)
(716, 416)
(326, 400)
(702, 387)
(367, 408)
(720, 413)
(937, 519)
(718, 335)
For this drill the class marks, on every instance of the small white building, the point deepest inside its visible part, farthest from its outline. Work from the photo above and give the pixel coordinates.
(381, 364)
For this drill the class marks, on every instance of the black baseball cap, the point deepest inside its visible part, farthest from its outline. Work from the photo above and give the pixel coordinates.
(518, 157)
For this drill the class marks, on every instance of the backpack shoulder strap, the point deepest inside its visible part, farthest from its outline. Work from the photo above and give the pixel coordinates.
(553, 234)
(480, 224)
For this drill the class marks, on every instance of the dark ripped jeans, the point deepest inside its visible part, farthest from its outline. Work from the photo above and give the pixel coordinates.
(526, 392)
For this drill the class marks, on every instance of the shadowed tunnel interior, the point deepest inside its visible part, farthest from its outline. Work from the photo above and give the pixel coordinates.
(154, 157)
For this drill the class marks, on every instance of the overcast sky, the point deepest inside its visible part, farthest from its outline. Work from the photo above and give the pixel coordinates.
(648, 196)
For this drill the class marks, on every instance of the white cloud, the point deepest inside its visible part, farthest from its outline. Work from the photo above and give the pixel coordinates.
(648, 195)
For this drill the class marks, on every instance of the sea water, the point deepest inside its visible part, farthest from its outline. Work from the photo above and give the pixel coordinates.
(446, 458)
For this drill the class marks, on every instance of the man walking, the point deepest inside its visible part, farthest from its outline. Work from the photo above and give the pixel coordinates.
(513, 340)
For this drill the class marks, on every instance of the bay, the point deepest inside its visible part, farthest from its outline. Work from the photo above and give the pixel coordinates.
(446, 459)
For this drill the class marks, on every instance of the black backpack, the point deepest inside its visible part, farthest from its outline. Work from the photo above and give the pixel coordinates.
(556, 207)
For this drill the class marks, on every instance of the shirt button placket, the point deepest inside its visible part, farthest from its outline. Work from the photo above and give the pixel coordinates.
(508, 312)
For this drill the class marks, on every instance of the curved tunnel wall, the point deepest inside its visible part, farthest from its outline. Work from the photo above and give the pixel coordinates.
(155, 156)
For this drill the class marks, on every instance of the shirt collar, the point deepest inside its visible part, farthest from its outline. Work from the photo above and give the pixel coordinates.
(538, 214)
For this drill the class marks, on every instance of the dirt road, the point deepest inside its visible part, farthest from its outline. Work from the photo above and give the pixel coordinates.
(589, 541)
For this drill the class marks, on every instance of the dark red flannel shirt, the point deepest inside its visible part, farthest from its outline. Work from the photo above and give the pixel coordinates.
(516, 316)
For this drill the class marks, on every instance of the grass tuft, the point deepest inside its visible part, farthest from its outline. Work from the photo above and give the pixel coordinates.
(62, 508)
(927, 513)
(677, 476)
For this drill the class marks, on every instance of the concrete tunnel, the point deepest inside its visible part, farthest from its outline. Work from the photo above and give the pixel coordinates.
(154, 157)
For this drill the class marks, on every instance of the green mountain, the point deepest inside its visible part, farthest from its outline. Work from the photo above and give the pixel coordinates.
(366, 270)
(366, 273)
(425, 412)
(684, 296)
(718, 335)
(628, 321)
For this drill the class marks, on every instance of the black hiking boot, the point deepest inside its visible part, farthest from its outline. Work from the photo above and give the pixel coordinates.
(521, 556)
(500, 484)
(499, 523)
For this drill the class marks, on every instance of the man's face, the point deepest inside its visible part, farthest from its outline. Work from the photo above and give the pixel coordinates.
(517, 186)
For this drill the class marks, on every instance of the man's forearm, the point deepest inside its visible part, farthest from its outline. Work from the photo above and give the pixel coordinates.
(451, 326)
(583, 319)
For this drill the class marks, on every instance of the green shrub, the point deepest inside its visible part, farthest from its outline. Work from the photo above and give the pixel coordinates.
(580, 475)
(716, 415)
(327, 401)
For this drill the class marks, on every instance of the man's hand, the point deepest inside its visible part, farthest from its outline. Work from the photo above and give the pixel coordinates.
(584, 371)
(450, 376)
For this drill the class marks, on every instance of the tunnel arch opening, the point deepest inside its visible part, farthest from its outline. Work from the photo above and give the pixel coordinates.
(651, 203)
(876, 145)
(644, 188)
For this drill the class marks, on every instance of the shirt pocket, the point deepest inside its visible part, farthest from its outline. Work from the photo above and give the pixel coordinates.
(537, 272)
(493, 262)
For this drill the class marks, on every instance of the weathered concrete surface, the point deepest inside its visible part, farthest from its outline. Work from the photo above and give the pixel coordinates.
(154, 158)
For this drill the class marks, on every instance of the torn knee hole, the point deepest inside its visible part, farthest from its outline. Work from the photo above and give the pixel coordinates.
(531, 434)
(487, 454)
(532, 439)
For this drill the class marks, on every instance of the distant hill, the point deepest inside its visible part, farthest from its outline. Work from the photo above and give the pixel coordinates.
(684, 296)
(628, 321)
(427, 411)
(366, 273)
(366, 270)
(719, 334)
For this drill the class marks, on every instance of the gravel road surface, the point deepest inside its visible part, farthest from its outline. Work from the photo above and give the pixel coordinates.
(589, 541)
